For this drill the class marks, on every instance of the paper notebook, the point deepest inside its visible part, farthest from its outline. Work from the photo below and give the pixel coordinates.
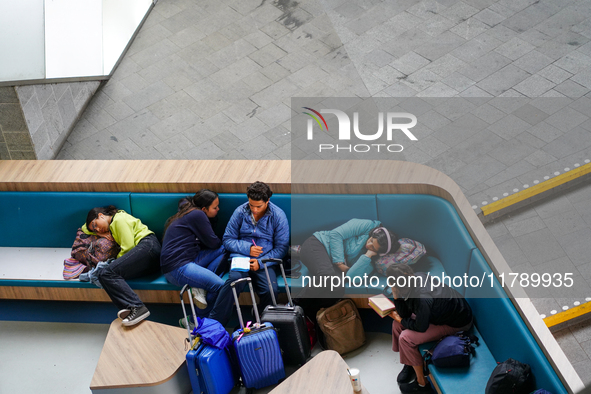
(381, 304)
(240, 264)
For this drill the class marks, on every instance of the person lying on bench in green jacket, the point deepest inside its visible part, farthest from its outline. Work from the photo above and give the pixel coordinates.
(139, 256)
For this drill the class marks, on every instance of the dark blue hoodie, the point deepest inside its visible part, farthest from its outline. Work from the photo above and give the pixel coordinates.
(184, 239)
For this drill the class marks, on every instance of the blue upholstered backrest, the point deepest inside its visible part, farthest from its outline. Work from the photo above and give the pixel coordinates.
(314, 212)
(432, 221)
(504, 330)
(155, 208)
(49, 219)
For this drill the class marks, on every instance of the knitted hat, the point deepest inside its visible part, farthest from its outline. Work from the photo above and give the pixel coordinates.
(72, 268)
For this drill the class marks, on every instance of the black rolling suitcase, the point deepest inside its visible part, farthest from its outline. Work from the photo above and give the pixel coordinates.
(291, 322)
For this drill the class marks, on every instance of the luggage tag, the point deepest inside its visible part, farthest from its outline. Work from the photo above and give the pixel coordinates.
(246, 330)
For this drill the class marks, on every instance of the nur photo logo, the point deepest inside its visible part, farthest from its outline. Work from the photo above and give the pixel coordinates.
(395, 123)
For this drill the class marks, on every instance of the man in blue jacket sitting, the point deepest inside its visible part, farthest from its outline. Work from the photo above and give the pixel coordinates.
(258, 229)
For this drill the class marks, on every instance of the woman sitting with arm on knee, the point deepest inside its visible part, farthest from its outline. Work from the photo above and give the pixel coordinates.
(191, 252)
(423, 314)
(139, 256)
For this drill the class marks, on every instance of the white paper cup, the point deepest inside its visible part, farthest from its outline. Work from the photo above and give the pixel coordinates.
(355, 382)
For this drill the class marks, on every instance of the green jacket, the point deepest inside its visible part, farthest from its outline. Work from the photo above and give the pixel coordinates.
(347, 241)
(127, 231)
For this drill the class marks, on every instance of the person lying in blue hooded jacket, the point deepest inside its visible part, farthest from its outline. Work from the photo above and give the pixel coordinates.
(257, 230)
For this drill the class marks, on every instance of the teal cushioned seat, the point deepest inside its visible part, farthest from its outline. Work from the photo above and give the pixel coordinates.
(152, 282)
(155, 208)
(49, 219)
(432, 221)
(504, 330)
(47, 283)
(465, 380)
(315, 212)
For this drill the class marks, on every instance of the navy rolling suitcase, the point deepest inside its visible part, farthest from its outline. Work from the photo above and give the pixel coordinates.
(210, 369)
(257, 349)
(290, 320)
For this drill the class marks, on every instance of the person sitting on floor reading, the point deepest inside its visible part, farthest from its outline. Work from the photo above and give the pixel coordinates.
(139, 256)
(257, 230)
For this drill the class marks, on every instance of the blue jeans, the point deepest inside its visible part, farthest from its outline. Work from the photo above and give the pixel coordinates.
(202, 273)
(142, 260)
(224, 305)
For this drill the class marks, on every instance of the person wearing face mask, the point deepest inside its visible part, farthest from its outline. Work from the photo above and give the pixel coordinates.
(423, 314)
(191, 252)
(139, 256)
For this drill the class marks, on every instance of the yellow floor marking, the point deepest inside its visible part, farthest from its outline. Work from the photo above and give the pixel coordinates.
(536, 189)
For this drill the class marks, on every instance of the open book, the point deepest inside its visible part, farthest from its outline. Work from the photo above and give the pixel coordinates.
(381, 304)
(240, 264)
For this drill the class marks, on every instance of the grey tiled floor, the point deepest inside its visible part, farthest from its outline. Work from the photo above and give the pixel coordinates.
(201, 73)
(576, 343)
(213, 79)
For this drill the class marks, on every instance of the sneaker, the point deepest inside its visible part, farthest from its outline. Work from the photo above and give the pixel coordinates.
(136, 315)
(406, 375)
(122, 314)
(199, 297)
(183, 323)
(413, 387)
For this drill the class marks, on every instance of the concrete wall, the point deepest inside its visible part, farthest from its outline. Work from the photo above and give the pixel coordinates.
(51, 111)
(15, 142)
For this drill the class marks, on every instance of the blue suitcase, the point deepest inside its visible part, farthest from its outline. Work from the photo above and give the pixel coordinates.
(210, 369)
(257, 349)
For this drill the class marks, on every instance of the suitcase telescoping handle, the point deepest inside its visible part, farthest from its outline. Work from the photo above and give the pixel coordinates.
(183, 290)
(280, 262)
(254, 303)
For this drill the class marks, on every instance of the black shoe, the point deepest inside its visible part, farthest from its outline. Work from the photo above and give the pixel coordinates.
(407, 388)
(136, 315)
(406, 375)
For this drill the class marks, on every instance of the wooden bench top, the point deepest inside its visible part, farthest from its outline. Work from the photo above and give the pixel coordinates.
(326, 373)
(146, 354)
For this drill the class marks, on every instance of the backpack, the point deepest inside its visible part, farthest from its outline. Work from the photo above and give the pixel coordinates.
(509, 377)
(341, 326)
(91, 249)
(408, 253)
(452, 351)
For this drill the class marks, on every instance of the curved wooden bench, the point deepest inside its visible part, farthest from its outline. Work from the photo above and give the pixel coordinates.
(146, 358)
(304, 177)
